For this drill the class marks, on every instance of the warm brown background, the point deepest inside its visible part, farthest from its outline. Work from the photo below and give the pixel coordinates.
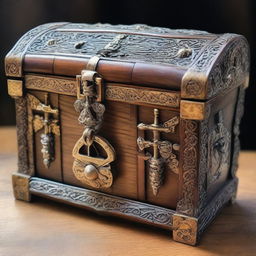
(218, 16)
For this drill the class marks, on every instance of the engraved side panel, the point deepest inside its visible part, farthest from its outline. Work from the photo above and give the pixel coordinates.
(221, 123)
(119, 127)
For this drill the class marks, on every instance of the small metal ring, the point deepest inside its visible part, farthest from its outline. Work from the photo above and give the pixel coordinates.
(88, 136)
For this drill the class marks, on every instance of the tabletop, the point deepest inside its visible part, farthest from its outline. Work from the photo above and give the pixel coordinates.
(45, 227)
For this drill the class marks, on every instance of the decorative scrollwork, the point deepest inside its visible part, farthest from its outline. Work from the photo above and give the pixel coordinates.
(186, 204)
(230, 70)
(139, 47)
(103, 202)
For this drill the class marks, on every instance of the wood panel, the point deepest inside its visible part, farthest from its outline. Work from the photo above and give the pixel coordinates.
(168, 193)
(119, 128)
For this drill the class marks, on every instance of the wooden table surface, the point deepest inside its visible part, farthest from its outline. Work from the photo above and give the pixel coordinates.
(49, 228)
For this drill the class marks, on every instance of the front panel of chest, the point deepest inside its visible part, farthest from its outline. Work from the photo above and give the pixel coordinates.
(141, 139)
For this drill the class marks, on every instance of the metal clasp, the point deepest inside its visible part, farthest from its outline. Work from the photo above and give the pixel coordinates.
(87, 79)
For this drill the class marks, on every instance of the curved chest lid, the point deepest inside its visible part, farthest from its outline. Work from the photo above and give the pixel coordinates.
(137, 54)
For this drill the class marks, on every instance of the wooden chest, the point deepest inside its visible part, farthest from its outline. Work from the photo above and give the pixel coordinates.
(134, 121)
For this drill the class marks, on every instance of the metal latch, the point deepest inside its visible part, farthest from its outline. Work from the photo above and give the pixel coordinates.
(89, 166)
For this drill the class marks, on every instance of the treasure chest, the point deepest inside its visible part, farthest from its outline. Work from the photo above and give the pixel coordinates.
(134, 121)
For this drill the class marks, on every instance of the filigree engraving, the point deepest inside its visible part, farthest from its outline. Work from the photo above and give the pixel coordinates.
(224, 74)
(185, 229)
(138, 47)
(164, 148)
(186, 204)
(13, 60)
(137, 95)
(22, 127)
(219, 145)
(103, 202)
(231, 69)
(51, 84)
(122, 93)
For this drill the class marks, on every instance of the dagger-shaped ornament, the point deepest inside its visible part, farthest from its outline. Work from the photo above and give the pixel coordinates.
(160, 154)
(48, 121)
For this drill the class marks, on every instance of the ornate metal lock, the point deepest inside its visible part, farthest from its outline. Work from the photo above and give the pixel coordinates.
(89, 166)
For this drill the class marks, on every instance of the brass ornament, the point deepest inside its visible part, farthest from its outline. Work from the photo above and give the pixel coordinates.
(185, 229)
(192, 110)
(93, 171)
(15, 88)
(89, 166)
(163, 150)
(49, 121)
(20, 183)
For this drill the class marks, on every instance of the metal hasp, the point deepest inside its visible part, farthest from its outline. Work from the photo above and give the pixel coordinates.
(89, 166)
(162, 150)
(49, 122)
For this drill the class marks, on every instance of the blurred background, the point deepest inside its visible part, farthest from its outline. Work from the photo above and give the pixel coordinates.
(216, 16)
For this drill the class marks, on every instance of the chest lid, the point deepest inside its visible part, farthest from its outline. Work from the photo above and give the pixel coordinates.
(197, 63)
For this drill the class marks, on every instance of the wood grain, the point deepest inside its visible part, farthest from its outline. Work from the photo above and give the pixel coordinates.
(120, 129)
(46, 226)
